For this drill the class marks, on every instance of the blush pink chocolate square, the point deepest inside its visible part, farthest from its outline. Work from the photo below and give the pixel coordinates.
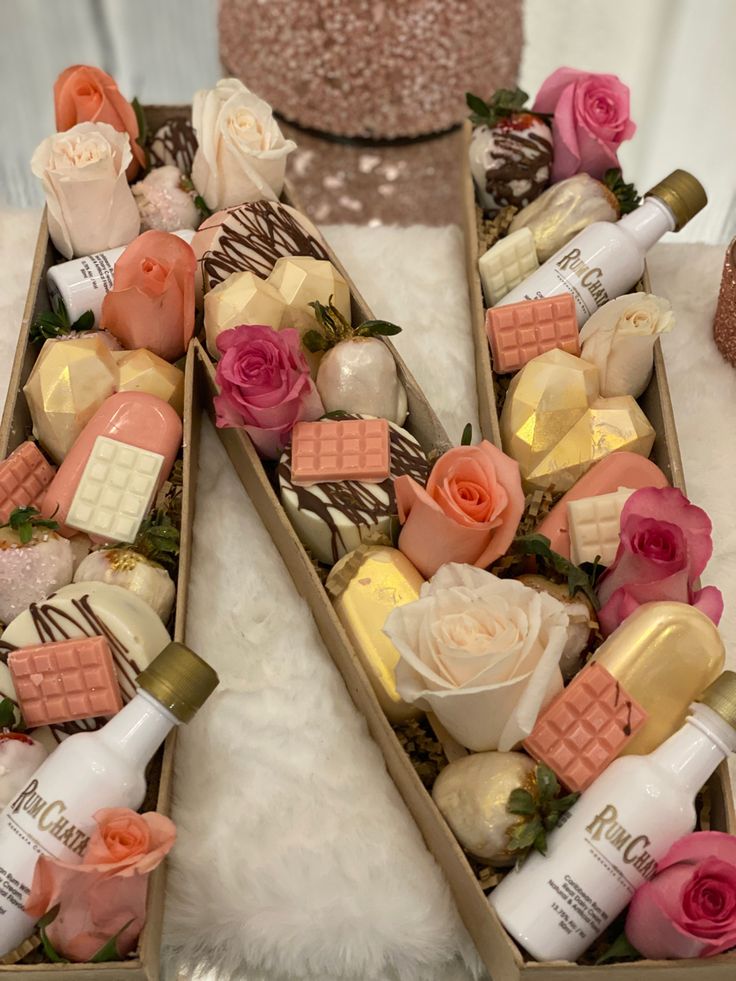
(522, 331)
(65, 680)
(345, 449)
(24, 476)
(585, 727)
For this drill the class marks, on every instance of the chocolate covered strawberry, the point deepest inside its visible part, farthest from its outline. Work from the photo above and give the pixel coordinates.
(511, 150)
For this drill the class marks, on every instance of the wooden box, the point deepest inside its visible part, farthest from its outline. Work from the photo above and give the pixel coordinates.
(14, 429)
(499, 953)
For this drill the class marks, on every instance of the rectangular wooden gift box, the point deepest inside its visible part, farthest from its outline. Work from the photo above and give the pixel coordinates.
(14, 429)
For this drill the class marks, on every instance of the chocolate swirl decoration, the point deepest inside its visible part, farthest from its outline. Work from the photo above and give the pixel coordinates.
(518, 158)
(174, 144)
(253, 236)
(53, 623)
(360, 503)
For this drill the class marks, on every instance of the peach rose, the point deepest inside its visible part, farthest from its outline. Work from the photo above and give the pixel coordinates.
(85, 94)
(151, 303)
(106, 893)
(468, 512)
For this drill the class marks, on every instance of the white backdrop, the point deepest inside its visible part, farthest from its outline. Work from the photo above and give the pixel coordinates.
(676, 55)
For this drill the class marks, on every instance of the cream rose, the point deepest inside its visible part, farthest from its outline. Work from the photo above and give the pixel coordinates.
(480, 652)
(619, 339)
(90, 205)
(242, 153)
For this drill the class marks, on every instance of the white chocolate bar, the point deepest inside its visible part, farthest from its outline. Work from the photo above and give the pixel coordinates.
(115, 490)
(507, 263)
(595, 525)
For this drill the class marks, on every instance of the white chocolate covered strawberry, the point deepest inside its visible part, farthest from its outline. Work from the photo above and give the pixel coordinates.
(358, 372)
(34, 562)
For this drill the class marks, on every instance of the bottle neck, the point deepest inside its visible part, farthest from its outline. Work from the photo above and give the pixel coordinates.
(694, 751)
(648, 223)
(139, 728)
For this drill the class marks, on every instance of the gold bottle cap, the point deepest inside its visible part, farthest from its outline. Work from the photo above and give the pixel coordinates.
(721, 697)
(683, 194)
(180, 680)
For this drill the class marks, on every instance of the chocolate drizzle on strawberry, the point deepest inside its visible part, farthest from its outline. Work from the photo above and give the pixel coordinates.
(174, 143)
(253, 236)
(521, 158)
(362, 504)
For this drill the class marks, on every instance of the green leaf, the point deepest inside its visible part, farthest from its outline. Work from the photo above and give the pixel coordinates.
(476, 104)
(377, 328)
(626, 194)
(539, 546)
(109, 951)
(314, 342)
(540, 842)
(563, 804)
(524, 834)
(467, 434)
(24, 520)
(521, 802)
(620, 950)
(547, 783)
(85, 321)
(7, 714)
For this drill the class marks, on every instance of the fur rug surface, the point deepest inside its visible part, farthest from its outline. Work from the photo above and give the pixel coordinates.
(296, 857)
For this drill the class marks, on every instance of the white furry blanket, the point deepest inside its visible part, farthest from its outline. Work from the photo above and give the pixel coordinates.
(296, 857)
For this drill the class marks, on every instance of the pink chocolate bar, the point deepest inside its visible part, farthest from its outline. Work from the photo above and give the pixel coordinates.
(24, 476)
(349, 449)
(134, 418)
(619, 469)
(519, 332)
(585, 727)
(65, 680)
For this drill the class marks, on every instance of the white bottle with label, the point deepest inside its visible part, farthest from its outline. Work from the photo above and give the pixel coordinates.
(609, 843)
(606, 259)
(84, 283)
(53, 814)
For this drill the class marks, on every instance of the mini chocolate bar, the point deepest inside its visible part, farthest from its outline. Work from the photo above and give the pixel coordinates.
(619, 469)
(595, 526)
(65, 681)
(131, 628)
(585, 727)
(365, 586)
(506, 264)
(521, 331)
(24, 476)
(136, 421)
(115, 490)
(344, 449)
(334, 517)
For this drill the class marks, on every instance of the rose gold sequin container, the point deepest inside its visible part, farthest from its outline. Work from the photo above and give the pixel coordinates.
(372, 68)
(724, 325)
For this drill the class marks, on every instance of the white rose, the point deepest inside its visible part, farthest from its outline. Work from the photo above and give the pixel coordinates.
(619, 338)
(90, 205)
(242, 153)
(163, 203)
(480, 652)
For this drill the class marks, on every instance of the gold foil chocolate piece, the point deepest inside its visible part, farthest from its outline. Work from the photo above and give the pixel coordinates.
(302, 279)
(664, 656)
(69, 382)
(144, 371)
(555, 424)
(243, 298)
(380, 579)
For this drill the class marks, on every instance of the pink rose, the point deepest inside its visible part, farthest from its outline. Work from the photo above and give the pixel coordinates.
(108, 890)
(665, 545)
(468, 512)
(591, 120)
(689, 908)
(265, 385)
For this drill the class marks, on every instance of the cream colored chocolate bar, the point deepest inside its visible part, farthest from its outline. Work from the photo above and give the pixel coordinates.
(595, 524)
(507, 263)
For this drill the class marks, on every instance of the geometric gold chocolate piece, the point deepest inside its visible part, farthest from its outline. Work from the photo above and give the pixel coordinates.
(302, 279)
(69, 382)
(243, 298)
(144, 371)
(555, 425)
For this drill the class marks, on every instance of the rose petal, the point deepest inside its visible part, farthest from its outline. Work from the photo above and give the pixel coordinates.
(650, 924)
